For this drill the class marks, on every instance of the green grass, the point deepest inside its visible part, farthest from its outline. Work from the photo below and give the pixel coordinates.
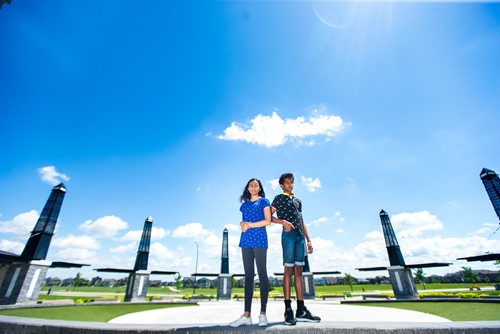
(357, 288)
(97, 313)
(467, 311)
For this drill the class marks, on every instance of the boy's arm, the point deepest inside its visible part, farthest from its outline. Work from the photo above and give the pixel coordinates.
(306, 235)
(287, 226)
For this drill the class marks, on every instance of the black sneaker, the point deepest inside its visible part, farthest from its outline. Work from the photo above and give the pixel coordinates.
(289, 318)
(306, 316)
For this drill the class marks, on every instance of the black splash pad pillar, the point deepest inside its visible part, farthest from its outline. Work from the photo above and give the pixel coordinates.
(400, 277)
(224, 284)
(22, 279)
(138, 280)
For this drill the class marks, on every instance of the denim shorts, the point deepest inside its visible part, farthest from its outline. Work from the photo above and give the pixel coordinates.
(294, 248)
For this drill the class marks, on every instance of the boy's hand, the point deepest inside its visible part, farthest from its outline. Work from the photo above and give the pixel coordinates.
(309, 247)
(287, 226)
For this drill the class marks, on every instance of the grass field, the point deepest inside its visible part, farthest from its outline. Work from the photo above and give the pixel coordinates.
(278, 290)
(467, 311)
(97, 313)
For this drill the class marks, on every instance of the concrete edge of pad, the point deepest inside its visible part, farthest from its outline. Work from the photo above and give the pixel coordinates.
(18, 325)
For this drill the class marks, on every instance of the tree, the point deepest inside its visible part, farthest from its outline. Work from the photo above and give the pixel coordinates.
(349, 280)
(178, 281)
(77, 280)
(469, 275)
(420, 276)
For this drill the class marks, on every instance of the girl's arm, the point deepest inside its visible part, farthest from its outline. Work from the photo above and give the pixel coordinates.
(265, 222)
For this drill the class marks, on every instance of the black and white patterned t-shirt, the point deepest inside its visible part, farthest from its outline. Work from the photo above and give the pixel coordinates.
(289, 208)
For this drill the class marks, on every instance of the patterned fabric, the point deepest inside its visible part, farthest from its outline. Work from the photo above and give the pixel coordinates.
(289, 208)
(254, 212)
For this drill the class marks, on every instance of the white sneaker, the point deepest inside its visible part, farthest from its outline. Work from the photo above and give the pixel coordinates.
(241, 321)
(263, 321)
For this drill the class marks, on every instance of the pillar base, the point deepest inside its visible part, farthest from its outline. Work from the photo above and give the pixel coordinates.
(224, 287)
(137, 286)
(22, 282)
(402, 283)
(308, 284)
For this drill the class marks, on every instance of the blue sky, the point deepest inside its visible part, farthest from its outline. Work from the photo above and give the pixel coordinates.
(168, 108)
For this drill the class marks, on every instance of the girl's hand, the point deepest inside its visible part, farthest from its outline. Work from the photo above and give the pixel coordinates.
(244, 226)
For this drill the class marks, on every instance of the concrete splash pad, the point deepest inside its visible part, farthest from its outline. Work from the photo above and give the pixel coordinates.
(223, 312)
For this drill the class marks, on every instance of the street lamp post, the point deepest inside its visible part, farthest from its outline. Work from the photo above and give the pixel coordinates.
(195, 268)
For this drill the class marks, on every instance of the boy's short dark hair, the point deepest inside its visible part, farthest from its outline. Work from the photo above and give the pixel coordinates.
(285, 176)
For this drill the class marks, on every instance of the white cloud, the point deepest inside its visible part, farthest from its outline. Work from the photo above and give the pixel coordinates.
(209, 246)
(72, 241)
(318, 221)
(194, 231)
(124, 248)
(21, 224)
(271, 131)
(485, 228)
(11, 246)
(414, 223)
(162, 258)
(233, 227)
(157, 233)
(374, 235)
(340, 231)
(275, 184)
(51, 176)
(104, 227)
(311, 184)
(78, 255)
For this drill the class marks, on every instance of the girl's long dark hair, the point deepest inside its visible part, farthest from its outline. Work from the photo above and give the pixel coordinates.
(246, 194)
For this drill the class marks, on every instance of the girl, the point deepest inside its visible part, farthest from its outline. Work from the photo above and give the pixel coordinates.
(256, 215)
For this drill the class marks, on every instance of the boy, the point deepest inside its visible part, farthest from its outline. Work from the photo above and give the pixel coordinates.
(288, 208)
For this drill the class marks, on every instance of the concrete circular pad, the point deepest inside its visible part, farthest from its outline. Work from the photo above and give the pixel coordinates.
(223, 312)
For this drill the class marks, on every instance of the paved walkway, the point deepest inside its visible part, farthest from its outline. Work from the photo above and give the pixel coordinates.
(221, 313)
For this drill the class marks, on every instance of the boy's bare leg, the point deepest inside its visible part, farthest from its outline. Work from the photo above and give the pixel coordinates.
(299, 289)
(287, 277)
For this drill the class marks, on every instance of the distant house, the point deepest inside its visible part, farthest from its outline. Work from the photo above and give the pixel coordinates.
(320, 281)
(67, 282)
(488, 276)
(272, 281)
(187, 282)
(84, 282)
(239, 283)
(96, 281)
(110, 282)
(122, 281)
(279, 281)
(52, 281)
(331, 280)
(453, 278)
(204, 283)
(155, 283)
